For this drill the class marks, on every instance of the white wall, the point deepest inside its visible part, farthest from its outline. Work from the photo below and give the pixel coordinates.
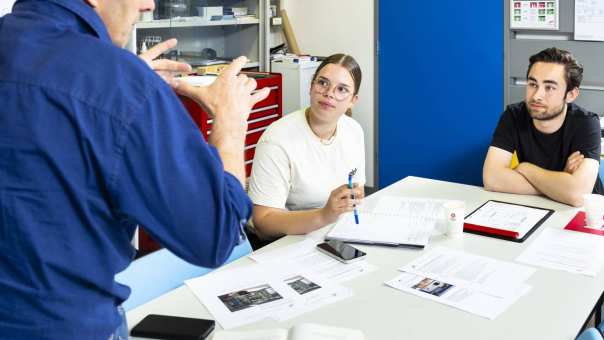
(325, 27)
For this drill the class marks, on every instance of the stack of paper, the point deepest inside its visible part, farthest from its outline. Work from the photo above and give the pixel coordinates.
(395, 221)
(476, 284)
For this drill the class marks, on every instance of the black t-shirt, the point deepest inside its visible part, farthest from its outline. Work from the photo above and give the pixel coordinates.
(579, 132)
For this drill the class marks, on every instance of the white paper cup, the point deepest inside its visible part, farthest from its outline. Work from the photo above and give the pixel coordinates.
(594, 210)
(454, 217)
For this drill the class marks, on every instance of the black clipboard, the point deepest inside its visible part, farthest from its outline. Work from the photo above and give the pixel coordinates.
(497, 233)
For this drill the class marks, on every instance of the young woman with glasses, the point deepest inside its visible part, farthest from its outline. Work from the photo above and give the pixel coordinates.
(299, 180)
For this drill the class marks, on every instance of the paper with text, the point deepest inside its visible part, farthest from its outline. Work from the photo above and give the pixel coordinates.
(457, 296)
(240, 296)
(571, 251)
(305, 256)
(589, 20)
(481, 273)
(394, 220)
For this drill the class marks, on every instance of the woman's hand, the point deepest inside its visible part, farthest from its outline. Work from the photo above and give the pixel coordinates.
(341, 201)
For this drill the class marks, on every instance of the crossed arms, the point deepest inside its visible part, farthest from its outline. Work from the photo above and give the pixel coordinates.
(568, 186)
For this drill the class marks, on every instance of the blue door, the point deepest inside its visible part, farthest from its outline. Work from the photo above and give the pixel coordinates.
(440, 87)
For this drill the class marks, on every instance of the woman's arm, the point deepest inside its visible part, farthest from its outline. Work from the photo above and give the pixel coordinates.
(272, 222)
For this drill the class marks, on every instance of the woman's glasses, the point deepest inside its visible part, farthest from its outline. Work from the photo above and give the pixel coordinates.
(323, 85)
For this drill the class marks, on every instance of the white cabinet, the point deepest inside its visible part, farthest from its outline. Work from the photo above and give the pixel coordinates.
(297, 78)
(201, 39)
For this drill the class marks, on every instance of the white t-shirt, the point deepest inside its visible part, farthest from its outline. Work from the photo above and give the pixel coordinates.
(293, 170)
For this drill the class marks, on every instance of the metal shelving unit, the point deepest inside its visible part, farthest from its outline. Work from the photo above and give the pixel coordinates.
(226, 38)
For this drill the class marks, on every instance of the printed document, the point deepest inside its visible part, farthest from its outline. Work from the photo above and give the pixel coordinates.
(589, 20)
(240, 296)
(482, 273)
(393, 221)
(571, 251)
(457, 296)
(404, 206)
(305, 256)
(473, 283)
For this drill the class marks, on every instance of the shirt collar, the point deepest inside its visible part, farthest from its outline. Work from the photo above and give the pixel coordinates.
(84, 12)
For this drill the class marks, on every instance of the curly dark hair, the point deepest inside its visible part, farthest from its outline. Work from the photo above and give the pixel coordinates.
(573, 70)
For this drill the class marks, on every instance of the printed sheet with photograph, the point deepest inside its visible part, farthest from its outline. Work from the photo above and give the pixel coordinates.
(476, 284)
(240, 296)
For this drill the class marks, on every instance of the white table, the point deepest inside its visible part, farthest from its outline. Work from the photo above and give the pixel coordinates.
(555, 308)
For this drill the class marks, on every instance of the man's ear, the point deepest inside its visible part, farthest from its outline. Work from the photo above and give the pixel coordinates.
(572, 95)
(92, 3)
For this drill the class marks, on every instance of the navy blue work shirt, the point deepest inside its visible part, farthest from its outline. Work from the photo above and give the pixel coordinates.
(93, 142)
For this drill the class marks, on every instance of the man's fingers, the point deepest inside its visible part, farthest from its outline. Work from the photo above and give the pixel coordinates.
(234, 68)
(158, 49)
(185, 89)
(577, 160)
(170, 66)
(260, 95)
(250, 84)
(575, 155)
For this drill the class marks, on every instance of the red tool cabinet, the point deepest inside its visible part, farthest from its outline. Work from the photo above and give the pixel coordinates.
(261, 116)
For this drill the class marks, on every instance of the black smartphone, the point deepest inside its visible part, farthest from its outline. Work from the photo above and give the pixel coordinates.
(173, 327)
(341, 251)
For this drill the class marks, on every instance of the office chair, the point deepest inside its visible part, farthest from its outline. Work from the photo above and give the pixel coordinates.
(160, 272)
(590, 334)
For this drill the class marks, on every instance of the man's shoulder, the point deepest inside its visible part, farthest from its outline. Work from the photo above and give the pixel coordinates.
(516, 110)
(515, 117)
(120, 71)
(83, 68)
(577, 112)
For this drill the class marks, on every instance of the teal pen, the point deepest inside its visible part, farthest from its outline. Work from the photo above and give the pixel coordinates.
(356, 212)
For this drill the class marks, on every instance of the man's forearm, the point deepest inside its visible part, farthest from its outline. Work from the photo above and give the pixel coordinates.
(230, 147)
(508, 180)
(557, 185)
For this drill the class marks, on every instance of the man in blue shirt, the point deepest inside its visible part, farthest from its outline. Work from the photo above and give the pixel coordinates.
(92, 143)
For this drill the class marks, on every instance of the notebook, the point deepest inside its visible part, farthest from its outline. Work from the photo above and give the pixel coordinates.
(504, 220)
(395, 221)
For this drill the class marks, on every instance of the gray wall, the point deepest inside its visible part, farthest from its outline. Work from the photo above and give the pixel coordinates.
(521, 44)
